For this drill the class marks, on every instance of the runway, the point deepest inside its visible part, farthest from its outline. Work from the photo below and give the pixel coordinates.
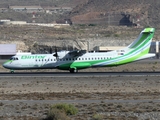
(25, 93)
(79, 74)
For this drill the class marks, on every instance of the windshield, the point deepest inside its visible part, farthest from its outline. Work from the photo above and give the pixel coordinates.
(13, 58)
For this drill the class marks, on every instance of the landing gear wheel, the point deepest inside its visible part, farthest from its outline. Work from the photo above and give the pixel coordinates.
(12, 71)
(72, 70)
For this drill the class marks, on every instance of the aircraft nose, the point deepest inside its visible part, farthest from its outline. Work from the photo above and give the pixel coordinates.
(5, 65)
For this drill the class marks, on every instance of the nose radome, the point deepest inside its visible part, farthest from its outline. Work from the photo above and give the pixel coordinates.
(5, 65)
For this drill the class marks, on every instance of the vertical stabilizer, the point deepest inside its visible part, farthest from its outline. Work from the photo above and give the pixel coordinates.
(144, 39)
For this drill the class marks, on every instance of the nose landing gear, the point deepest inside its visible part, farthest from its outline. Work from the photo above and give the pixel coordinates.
(11, 71)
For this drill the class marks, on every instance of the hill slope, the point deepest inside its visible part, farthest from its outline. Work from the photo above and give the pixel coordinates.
(145, 13)
(110, 12)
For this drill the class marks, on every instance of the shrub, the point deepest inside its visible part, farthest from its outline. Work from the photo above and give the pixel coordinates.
(98, 117)
(116, 35)
(67, 108)
(92, 25)
(56, 114)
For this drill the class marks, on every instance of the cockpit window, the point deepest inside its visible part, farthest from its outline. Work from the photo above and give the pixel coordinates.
(14, 58)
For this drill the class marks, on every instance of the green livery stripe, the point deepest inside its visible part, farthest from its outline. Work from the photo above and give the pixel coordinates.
(8, 61)
(133, 58)
(144, 36)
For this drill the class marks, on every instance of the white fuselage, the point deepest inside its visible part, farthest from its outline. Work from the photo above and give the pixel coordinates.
(48, 61)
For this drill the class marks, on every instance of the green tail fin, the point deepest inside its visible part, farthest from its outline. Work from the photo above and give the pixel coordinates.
(145, 37)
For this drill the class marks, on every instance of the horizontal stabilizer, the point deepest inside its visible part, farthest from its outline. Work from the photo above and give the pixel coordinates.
(150, 55)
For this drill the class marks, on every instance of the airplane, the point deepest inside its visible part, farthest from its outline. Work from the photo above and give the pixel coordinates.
(76, 60)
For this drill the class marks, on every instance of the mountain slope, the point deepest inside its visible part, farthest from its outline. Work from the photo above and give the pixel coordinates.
(144, 12)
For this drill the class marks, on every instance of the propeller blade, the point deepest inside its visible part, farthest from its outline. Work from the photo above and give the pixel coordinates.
(50, 50)
(56, 53)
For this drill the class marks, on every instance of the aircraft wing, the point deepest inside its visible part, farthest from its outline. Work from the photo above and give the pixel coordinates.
(77, 53)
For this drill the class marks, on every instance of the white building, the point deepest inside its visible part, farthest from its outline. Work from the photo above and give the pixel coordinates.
(29, 9)
(7, 50)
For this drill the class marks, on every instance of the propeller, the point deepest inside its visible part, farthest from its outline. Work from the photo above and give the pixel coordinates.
(56, 53)
(50, 50)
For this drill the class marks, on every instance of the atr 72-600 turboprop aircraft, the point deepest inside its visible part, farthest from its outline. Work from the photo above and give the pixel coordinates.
(76, 60)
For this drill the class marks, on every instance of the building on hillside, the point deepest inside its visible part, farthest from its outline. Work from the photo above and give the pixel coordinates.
(3, 10)
(7, 50)
(155, 48)
(58, 10)
(28, 9)
(107, 48)
(64, 21)
(20, 52)
(9, 22)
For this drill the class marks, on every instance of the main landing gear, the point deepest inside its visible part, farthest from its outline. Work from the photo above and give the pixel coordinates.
(73, 70)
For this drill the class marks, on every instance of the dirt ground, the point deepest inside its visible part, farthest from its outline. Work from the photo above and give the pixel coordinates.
(111, 97)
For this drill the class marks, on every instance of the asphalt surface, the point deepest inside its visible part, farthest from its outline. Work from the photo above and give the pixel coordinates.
(80, 74)
(85, 101)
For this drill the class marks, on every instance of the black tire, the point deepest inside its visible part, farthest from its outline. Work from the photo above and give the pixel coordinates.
(72, 70)
(12, 72)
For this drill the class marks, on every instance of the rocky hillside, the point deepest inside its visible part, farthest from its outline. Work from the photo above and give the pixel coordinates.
(113, 12)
